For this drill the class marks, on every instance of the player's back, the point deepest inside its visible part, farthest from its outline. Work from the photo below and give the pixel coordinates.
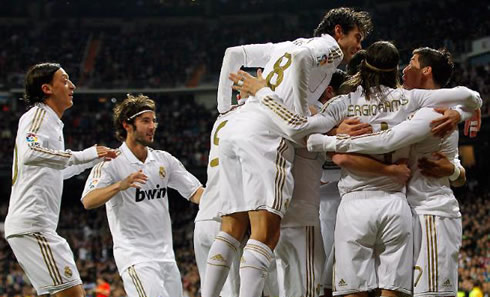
(290, 77)
(210, 203)
(383, 110)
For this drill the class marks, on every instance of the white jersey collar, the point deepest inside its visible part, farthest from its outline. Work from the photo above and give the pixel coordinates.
(132, 158)
(50, 112)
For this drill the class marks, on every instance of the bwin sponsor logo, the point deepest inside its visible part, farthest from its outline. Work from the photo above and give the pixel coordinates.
(150, 194)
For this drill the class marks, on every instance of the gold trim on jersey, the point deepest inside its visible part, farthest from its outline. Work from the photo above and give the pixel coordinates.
(280, 178)
(50, 151)
(48, 259)
(37, 120)
(334, 54)
(285, 114)
(136, 281)
(16, 166)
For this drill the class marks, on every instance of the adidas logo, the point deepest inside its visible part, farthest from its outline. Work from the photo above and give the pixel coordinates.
(342, 283)
(218, 258)
(447, 283)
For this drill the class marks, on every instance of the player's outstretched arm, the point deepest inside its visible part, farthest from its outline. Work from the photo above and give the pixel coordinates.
(104, 153)
(253, 55)
(100, 196)
(402, 135)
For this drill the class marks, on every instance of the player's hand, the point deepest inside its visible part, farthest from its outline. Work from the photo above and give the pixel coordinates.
(105, 152)
(400, 173)
(353, 127)
(438, 166)
(473, 125)
(244, 82)
(133, 180)
(447, 123)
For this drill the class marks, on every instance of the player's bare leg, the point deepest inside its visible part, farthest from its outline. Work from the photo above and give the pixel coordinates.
(257, 254)
(327, 293)
(223, 251)
(76, 291)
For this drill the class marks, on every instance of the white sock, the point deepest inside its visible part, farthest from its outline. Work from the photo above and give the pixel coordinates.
(220, 257)
(254, 267)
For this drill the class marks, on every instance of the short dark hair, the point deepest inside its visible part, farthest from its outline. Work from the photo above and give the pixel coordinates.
(380, 67)
(338, 78)
(347, 18)
(36, 76)
(125, 111)
(355, 63)
(440, 61)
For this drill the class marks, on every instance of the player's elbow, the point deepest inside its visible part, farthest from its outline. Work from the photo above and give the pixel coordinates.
(233, 52)
(88, 203)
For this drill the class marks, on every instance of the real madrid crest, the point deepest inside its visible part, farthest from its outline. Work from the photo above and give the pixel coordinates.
(68, 272)
(162, 172)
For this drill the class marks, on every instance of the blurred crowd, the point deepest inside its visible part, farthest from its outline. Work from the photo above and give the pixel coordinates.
(187, 51)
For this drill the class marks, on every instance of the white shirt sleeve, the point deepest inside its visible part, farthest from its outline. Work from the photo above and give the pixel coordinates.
(287, 123)
(404, 134)
(73, 170)
(33, 147)
(253, 55)
(99, 177)
(181, 179)
(469, 99)
(317, 52)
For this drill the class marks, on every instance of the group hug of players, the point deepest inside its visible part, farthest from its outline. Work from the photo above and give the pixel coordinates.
(277, 216)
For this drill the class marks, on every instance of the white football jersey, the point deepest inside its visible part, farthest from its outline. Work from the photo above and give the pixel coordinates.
(209, 204)
(40, 164)
(139, 219)
(387, 109)
(298, 71)
(425, 195)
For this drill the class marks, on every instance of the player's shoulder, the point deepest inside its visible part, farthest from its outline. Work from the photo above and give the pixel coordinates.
(160, 155)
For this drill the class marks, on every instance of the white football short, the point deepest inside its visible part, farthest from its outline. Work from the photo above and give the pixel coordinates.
(147, 279)
(47, 261)
(204, 234)
(300, 261)
(436, 245)
(329, 203)
(255, 174)
(373, 243)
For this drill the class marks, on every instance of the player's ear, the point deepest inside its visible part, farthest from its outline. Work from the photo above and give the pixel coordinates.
(427, 70)
(338, 32)
(47, 89)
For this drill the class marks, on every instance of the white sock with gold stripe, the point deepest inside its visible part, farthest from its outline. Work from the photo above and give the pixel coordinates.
(220, 257)
(254, 267)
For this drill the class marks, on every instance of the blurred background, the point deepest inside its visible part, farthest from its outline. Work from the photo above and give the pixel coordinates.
(171, 50)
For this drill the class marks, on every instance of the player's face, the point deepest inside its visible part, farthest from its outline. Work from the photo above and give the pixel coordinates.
(145, 126)
(350, 43)
(60, 90)
(412, 74)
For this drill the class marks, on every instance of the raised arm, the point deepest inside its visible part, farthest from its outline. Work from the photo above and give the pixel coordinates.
(253, 55)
